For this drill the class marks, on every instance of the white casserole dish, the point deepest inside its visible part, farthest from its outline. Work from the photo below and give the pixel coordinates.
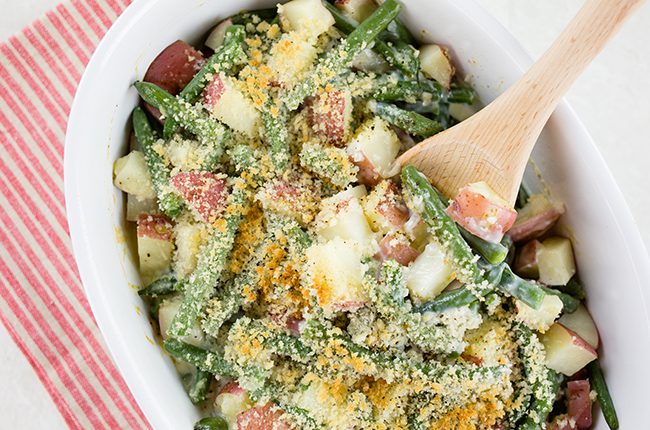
(611, 257)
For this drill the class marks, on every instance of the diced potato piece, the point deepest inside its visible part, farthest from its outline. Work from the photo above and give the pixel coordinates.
(537, 217)
(555, 261)
(173, 69)
(482, 212)
(435, 63)
(289, 198)
(290, 57)
(374, 149)
(336, 274)
(132, 176)
(358, 192)
(385, 208)
(526, 264)
(461, 111)
(231, 401)
(330, 115)
(396, 247)
(358, 10)
(265, 417)
(231, 106)
(308, 17)
(155, 246)
(188, 237)
(344, 219)
(429, 274)
(540, 319)
(136, 207)
(582, 324)
(566, 352)
(218, 34)
(204, 192)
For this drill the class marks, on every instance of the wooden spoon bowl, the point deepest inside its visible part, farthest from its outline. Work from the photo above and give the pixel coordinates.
(495, 144)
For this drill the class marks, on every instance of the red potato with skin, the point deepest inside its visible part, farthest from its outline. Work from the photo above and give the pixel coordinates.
(267, 417)
(155, 245)
(385, 208)
(481, 212)
(157, 227)
(330, 115)
(204, 192)
(398, 248)
(580, 403)
(526, 263)
(566, 352)
(536, 218)
(173, 69)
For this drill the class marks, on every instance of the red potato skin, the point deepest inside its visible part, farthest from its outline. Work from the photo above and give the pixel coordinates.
(393, 208)
(475, 213)
(367, 174)
(526, 261)
(535, 226)
(327, 115)
(392, 248)
(213, 92)
(267, 417)
(203, 191)
(232, 388)
(580, 403)
(173, 69)
(155, 227)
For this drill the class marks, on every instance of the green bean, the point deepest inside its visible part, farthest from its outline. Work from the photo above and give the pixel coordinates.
(170, 202)
(528, 292)
(277, 135)
(545, 392)
(298, 239)
(510, 245)
(604, 398)
(494, 253)
(522, 196)
(211, 423)
(244, 159)
(276, 341)
(211, 262)
(163, 286)
(543, 388)
(401, 32)
(203, 359)
(411, 122)
(424, 200)
(199, 385)
(574, 288)
(318, 336)
(397, 52)
(207, 129)
(461, 94)
(223, 59)
(338, 59)
(569, 303)
(401, 90)
(328, 162)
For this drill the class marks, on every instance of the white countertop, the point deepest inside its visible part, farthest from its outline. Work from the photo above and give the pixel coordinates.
(612, 98)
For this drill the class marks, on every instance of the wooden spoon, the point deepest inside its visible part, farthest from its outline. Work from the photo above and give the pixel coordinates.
(495, 144)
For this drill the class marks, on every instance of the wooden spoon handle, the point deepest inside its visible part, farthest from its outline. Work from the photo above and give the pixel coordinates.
(536, 95)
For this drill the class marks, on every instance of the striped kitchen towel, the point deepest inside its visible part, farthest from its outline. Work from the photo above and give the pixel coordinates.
(42, 302)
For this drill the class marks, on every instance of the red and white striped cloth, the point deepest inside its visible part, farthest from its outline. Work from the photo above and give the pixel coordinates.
(42, 302)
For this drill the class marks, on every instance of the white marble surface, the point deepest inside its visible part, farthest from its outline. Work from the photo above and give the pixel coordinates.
(612, 98)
